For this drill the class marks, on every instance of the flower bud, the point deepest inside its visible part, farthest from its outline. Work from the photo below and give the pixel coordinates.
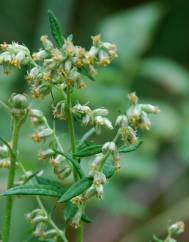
(96, 40)
(108, 124)
(18, 101)
(37, 117)
(62, 173)
(116, 161)
(5, 163)
(148, 108)
(133, 98)
(60, 110)
(40, 91)
(42, 134)
(46, 42)
(104, 58)
(40, 55)
(95, 163)
(78, 200)
(4, 151)
(128, 135)
(122, 121)
(99, 178)
(57, 161)
(75, 221)
(100, 112)
(33, 73)
(109, 146)
(177, 228)
(99, 191)
(45, 154)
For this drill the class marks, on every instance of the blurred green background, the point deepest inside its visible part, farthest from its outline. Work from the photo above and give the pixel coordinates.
(153, 45)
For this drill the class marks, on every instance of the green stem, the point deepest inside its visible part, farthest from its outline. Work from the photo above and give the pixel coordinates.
(9, 200)
(59, 232)
(80, 233)
(80, 230)
(70, 121)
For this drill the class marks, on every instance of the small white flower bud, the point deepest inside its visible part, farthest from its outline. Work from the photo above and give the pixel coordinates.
(40, 55)
(4, 151)
(75, 221)
(104, 58)
(109, 146)
(46, 42)
(148, 108)
(122, 121)
(100, 112)
(99, 191)
(86, 119)
(133, 98)
(99, 178)
(177, 228)
(108, 123)
(5, 163)
(42, 134)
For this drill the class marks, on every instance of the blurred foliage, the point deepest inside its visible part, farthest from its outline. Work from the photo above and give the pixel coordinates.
(152, 39)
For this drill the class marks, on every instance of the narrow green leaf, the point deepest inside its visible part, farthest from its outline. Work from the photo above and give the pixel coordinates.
(76, 189)
(45, 181)
(55, 29)
(85, 218)
(108, 169)
(75, 163)
(88, 151)
(37, 189)
(126, 149)
(69, 211)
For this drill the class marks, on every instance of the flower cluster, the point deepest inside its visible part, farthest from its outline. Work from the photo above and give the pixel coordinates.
(14, 55)
(136, 117)
(65, 66)
(42, 229)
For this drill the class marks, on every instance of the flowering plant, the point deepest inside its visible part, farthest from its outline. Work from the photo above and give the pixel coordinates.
(61, 66)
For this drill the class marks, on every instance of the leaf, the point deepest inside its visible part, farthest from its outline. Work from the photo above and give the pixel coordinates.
(108, 169)
(126, 149)
(76, 189)
(37, 189)
(75, 163)
(69, 211)
(55, 29)
(85, 218)
(88, 151)
(132, 30)
(45, 181)
(169, 74)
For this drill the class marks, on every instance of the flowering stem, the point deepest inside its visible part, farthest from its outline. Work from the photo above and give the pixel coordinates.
(59, 232)
(9, 200)
(108, 152)
(79, 232)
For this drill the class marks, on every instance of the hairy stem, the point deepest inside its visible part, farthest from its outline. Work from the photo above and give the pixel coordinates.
(9, 200)
(80, 230)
